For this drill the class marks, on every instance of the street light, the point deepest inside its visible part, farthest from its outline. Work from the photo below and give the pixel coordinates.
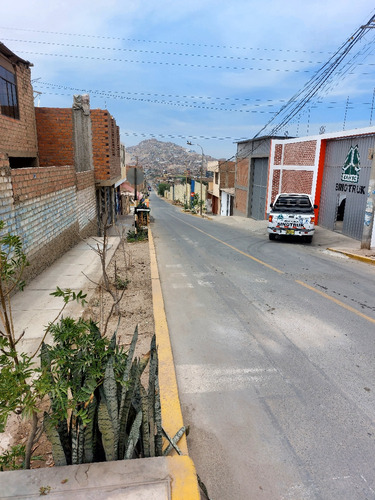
(201, 199)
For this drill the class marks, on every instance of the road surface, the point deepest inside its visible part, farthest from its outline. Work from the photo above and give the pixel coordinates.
(274, 346)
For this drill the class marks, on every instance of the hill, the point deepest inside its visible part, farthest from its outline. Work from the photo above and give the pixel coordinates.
(158, 157)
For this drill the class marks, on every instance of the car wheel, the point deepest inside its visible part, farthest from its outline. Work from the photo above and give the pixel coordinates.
(308, 239)
(272, 236)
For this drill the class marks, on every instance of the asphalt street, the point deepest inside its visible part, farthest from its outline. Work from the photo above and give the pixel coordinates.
(273, 344)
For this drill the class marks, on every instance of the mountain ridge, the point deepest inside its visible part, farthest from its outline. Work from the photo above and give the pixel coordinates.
(158, 156)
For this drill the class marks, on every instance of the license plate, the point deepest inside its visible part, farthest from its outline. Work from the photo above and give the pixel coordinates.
(290, 231)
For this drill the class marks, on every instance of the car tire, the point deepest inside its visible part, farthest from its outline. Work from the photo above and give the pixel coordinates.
(272, 236)
(308, 239)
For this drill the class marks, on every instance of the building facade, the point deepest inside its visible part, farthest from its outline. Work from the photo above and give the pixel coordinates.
(251, 177)
(334, 169)
(47, 205)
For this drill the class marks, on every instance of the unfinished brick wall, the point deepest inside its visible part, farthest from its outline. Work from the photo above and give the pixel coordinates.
(18, 136)
(105, 145)
(55, 136)
(240, 204)
(29, 183)
(227, 174)
(242, 172)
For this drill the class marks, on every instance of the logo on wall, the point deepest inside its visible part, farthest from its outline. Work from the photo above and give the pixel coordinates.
(351, 168)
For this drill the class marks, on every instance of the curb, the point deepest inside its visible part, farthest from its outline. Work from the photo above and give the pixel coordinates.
(181, 468)
(361, 258)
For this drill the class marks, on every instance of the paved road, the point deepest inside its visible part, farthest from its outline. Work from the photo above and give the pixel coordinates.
(274, 351)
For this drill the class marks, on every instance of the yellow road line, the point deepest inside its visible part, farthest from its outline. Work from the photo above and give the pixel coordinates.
(233, 248)
(325, 295)
(336, 301)
(170, 402)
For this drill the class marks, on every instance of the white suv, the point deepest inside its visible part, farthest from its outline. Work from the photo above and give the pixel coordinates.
(292, 214)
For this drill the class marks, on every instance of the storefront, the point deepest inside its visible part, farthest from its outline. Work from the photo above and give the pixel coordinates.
(334, 169)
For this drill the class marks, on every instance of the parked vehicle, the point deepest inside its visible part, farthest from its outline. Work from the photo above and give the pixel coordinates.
(292, 214)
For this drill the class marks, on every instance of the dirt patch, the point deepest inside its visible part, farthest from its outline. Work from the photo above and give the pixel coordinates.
(130, 267)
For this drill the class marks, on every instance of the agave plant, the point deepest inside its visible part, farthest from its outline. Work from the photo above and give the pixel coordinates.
(99, 408)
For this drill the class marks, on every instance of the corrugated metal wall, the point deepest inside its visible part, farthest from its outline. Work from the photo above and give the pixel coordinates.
(259, 188)
(335, 190)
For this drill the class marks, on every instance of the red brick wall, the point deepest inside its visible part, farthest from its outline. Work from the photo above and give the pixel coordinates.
(241, 201)
(275, 184)
(85, 180)
(31, 183)
(18, 137)
(278, 154)
(105, 145)
(242, 172)
(297, 181)
(301, 153)
(55, 136)
(227, 172)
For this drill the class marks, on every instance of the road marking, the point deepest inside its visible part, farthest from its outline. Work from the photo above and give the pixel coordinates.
(198, 379)
(336, 301)
(325, 295)
(232, 247)
(206, 284)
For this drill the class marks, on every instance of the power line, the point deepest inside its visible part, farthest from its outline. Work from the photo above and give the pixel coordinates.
(185, 44)
(163, 53)
(317, 82)
(115, 94)
(169, 63)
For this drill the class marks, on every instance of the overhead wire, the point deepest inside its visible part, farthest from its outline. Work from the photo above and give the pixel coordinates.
(165, 42)
(313, 86)
(163, 53)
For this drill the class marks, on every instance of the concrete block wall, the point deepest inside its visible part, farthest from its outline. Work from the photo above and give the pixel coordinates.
(86, 203)
(49, 209)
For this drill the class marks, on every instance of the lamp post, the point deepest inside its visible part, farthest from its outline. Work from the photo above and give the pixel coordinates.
(201, 199)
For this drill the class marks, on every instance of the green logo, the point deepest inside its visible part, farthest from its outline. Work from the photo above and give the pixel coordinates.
(350, 170)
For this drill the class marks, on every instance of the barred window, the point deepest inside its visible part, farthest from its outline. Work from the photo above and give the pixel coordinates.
(8, 94)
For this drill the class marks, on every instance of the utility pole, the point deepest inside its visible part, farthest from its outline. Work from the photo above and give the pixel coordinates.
(201, 196)
(370, 205)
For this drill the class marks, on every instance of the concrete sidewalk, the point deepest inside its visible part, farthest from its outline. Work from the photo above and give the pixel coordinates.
(159, 478)
(324, 239)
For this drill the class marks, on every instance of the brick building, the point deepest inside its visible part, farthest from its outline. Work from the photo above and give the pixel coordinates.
(220, 193)
(49, 205)
(335, 169)
(251, 177)
(60, 140)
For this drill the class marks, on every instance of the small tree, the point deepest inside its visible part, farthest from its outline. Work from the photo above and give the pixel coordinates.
(162, 187)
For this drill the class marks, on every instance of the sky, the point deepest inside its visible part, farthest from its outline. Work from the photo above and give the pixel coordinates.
(211, 72)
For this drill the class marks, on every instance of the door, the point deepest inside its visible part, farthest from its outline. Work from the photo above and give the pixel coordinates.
(258, 188)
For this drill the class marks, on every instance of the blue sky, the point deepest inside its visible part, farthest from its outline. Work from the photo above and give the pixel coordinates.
(211, 72)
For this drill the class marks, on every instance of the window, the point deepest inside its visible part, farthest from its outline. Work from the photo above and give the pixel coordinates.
(216, 179)
(8, 94)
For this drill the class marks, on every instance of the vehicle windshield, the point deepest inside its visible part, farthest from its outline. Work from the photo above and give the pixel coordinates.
(300, 204)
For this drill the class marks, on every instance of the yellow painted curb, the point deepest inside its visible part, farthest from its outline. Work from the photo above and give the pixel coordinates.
(354, 256)
(169, 398)
(184, 480)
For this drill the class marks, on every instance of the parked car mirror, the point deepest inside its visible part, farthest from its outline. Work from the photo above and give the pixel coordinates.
(316, 206)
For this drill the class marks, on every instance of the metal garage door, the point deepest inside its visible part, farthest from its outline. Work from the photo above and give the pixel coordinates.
(343, 198)
(259, 188)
